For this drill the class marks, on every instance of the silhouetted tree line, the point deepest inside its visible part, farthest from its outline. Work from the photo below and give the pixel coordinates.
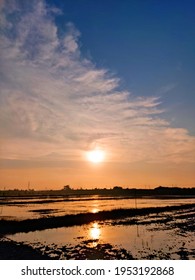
(115, 191)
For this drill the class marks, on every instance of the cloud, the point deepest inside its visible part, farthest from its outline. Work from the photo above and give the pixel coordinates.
(54, 101)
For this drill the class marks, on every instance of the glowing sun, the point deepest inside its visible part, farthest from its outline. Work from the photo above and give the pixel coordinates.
(96, 156)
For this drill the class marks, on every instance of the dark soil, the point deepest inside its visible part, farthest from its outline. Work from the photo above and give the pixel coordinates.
(11, 250)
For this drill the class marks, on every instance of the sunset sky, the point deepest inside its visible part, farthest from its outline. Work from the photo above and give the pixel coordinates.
(79, 76)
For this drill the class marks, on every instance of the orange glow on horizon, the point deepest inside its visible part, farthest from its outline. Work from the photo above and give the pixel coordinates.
(85, 175)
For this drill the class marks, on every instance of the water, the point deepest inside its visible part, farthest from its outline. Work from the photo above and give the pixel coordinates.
(166, 235)
(153, 240)
(20, 209)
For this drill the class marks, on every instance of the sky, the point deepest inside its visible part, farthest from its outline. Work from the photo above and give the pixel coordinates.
(82, 75)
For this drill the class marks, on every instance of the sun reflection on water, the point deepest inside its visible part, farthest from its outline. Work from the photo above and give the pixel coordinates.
(95, 233)
(95, 210)
(95, 206)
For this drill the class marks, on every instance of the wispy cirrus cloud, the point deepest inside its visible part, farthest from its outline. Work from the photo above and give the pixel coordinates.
(55, 101)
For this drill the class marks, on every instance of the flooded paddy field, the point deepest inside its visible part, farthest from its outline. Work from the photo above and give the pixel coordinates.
(17, 208)
(120, 230)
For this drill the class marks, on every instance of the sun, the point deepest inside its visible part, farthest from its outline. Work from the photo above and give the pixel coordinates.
(96, 156)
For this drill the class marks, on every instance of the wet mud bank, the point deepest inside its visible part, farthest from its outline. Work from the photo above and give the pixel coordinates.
(11, 250)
